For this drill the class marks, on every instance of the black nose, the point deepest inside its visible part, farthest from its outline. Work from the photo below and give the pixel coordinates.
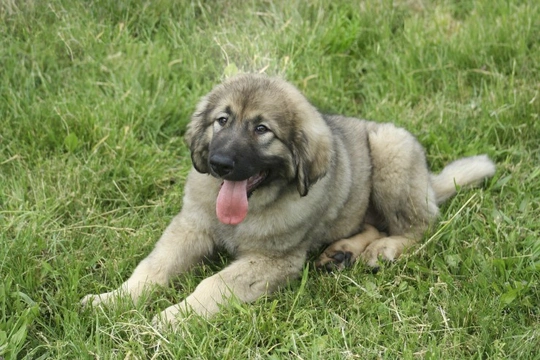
(222, 165)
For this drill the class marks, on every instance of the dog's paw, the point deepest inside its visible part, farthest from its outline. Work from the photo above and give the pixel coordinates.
(169, 318)
(385, 249)
(106, 299)
(334, 259)
(345, 252)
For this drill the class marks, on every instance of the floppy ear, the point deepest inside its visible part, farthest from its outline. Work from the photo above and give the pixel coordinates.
(198, 136)
(312, 151)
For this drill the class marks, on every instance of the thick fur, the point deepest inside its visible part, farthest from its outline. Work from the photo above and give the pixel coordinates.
(328, 179)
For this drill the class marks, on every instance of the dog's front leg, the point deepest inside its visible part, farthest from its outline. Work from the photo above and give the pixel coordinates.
(246, 279)
(182, 245)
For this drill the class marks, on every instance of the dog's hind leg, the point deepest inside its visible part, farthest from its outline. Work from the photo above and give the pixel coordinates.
(387, 249)
(345, 252)
(402, 193)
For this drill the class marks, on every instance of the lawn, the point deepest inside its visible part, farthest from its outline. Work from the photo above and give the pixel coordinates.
(94, 101)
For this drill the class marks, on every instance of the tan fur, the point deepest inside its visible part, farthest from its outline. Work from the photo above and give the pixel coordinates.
(355, 245)
(335, 177)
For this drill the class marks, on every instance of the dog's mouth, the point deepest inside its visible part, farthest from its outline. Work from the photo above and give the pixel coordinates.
(254, 182)
(232, 200)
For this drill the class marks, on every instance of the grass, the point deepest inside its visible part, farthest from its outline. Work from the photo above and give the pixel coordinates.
(94, 99)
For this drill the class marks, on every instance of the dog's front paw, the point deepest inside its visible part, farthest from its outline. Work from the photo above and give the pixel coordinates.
(170, 317)
(106, 299)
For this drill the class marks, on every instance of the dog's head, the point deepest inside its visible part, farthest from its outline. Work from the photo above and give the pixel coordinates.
(255, 129)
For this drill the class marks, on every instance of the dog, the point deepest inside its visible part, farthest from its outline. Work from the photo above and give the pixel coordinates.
(274, 179)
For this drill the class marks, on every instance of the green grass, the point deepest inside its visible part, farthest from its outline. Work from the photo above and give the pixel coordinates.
(94, 100)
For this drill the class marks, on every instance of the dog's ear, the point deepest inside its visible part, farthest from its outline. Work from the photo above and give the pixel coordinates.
(198, 136)
(312, 151)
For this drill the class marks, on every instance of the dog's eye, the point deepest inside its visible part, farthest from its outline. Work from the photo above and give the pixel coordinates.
(222, 120)
(261, 129)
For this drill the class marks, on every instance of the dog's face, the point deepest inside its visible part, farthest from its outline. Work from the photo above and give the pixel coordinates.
(251, 131)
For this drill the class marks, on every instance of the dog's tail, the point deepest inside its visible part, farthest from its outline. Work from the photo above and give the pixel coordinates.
(469, 171)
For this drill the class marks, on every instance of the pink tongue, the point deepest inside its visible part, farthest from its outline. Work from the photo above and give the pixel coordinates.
(232, 202)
